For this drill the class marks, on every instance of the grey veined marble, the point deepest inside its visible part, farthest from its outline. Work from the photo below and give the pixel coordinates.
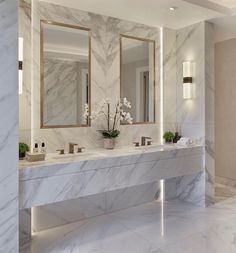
(105, 74)
(169, 227)
(8, 127)
(68, 191)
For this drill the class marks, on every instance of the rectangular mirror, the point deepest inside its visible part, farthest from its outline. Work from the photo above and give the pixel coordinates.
(137, 66)
(65, 75)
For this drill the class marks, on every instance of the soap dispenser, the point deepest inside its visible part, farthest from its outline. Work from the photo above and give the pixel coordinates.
(43, 148)
(36, 148)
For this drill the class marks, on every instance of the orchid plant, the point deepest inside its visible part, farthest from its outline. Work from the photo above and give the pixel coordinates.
(112, 117)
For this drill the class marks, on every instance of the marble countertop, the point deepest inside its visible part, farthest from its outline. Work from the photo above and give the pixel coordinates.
(56, 164)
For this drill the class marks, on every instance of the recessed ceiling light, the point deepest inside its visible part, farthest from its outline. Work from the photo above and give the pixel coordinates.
(172, 8)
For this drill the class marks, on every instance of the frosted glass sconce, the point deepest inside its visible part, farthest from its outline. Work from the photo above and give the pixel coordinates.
(20, 62)
(187, 80)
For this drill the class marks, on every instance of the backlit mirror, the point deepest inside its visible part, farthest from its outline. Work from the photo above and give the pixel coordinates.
(138, 77)
(65, 75)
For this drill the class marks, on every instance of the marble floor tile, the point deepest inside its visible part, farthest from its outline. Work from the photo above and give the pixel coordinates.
(178, 228)
(223, 191)
(100, 234)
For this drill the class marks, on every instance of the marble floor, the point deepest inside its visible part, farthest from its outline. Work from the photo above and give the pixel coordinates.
(224, 188)
(176, 227)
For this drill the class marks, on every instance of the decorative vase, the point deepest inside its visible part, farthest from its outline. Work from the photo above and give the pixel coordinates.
(22, 155)
(176, 138)
(109, 143)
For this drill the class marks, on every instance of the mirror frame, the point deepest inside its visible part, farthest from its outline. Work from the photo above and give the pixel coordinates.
(42, 22)
(154, 75)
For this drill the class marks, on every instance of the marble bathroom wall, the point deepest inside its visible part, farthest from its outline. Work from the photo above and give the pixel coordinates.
(25, 98)
(9, 127)
(105, 74)
(190, 113)
(169, 79)
(209, 114)
(194, 117)
(105, 68)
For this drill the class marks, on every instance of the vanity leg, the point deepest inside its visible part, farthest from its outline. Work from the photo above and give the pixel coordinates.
(24, 226)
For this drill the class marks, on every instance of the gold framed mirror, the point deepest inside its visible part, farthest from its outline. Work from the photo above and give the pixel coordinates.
(65, 78)
(137, 77)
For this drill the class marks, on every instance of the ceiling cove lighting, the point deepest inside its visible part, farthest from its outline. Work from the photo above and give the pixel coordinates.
(20, 67)
(187, 80)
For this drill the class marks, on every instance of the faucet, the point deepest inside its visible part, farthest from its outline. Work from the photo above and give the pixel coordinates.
(143, 140)
(71, 147)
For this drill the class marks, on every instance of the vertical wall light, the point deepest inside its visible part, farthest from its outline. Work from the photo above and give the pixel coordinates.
(161, 84)
(20, 62)
(187, 80)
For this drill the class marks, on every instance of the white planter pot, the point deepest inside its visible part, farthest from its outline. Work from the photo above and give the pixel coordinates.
(109, 143)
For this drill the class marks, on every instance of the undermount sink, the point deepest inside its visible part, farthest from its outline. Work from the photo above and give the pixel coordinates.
(157, 146)
(76, 155)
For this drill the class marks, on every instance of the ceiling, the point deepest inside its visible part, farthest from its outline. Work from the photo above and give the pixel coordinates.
(225, 3)
(225, 28)
(62, 43)
(151, 12)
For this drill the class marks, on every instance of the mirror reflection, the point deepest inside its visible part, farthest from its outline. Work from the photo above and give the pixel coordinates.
(65, 75)
(137, 77)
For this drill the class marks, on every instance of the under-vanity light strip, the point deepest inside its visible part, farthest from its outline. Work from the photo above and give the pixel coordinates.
(32, 221)
(161, 86)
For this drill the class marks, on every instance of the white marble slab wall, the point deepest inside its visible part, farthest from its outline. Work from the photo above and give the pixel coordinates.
(9, 127)
(209, 113)
(105, 65)
(169, 67)
(191, 112)
(195, 117)
(25, 97)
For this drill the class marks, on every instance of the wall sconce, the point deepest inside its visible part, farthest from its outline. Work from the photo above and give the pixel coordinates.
(187, 80)
(20, 64)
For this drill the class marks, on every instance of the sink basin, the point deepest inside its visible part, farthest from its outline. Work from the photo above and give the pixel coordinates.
(156, 147)
(76, 155)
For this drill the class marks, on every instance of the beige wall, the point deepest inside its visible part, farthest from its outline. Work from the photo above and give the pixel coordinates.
(225, 78)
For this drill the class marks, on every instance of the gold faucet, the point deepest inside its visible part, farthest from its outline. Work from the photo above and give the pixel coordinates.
(143, 140)
(72, 147)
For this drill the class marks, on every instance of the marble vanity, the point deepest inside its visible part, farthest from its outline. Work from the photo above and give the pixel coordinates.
(61, 178)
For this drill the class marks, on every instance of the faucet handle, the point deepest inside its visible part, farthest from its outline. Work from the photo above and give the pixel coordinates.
(136, 143)
(61, 151)
(80, 149)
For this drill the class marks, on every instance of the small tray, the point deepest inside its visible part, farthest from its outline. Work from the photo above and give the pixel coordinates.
(35, 157)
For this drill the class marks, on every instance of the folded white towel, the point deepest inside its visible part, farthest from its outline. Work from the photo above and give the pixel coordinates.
(184, 141)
